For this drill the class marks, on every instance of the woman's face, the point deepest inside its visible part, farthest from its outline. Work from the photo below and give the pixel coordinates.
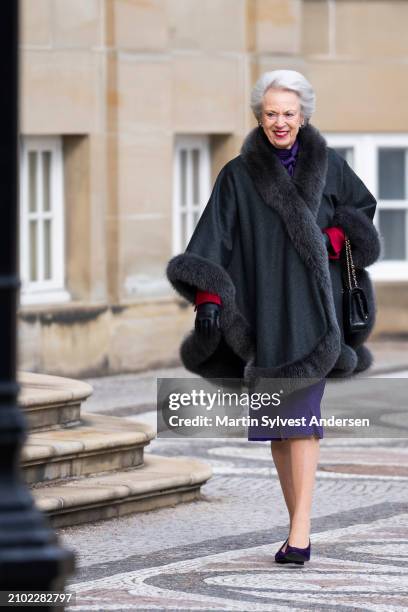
(281, 117)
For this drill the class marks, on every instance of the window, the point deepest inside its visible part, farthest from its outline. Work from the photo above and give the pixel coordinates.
(381, 161)
(41, 221)
(392, 194)
(192, 186)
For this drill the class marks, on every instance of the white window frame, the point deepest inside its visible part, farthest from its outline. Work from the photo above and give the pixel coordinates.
(366, 167)
(188, 143)
(50, 290)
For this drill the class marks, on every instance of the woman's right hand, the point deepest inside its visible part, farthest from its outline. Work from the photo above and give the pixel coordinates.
(207, 321)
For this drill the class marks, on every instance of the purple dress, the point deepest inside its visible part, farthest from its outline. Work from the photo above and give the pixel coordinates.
(303, 403)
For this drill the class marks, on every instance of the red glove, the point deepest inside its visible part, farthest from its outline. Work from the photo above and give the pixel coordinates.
(337, 237)
(203, 296)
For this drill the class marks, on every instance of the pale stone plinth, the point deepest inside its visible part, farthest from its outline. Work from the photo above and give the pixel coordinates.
(130, 338)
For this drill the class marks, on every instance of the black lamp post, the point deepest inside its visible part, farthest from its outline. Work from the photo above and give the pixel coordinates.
(30, 558)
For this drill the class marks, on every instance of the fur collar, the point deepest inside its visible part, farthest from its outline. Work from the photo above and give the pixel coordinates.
(297, 201)
(273, 181)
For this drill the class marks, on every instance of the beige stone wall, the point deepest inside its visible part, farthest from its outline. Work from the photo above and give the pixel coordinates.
(278, 27)
(392, 317)
(355, 56)
(118, 79)
(87, 340)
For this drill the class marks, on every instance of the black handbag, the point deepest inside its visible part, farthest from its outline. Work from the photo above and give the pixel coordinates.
(355, 306)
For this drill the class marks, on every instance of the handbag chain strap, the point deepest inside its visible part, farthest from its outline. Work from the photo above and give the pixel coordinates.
(351, 271)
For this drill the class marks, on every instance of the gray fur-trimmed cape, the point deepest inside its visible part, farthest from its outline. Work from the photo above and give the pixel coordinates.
(259, 246)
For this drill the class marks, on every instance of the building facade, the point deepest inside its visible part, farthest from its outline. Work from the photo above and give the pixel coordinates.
(129, 108)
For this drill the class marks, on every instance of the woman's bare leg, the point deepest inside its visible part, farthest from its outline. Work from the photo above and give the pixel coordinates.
(296, 462)
(304, 459)
(282, 458)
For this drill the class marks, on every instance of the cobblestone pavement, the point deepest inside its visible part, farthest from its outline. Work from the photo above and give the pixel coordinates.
(217, 553)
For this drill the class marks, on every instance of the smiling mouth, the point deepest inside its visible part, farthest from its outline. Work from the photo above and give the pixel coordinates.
(281, 133)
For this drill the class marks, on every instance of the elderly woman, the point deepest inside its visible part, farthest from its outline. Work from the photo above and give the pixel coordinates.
(264, 269)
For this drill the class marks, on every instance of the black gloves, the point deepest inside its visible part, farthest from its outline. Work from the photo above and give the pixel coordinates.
(207, 319)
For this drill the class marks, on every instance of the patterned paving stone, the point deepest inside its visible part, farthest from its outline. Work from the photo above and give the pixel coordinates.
(350, 569)
(218, 553)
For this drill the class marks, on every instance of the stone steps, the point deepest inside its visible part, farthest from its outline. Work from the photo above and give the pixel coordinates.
(50, 402)
(92, 467)
(98, 444)
(162, 481)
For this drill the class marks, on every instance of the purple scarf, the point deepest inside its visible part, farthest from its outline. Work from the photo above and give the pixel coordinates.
(288, 156)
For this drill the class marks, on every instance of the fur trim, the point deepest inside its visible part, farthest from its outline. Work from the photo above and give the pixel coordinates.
(365, 358)
(188, 271)
(351, 361)
(306, 186)
(315, 365)
(299, 219)
(366, 246)
(345, 364)
(310, 173)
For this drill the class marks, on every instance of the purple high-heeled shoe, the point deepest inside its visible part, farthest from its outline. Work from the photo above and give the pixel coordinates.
(279, 555)
(293, 554)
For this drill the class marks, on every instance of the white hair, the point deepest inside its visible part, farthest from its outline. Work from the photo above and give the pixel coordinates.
(284, 79)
